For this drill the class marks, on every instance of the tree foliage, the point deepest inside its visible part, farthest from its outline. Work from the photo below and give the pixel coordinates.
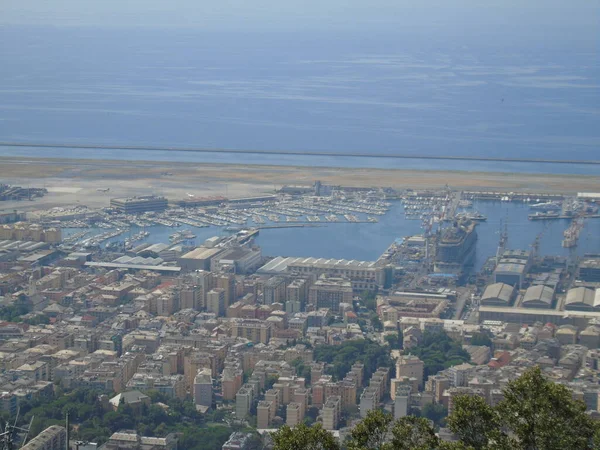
(13, 313)
(302, 370)
(342, 357)
(435, 412)
(394, 340)
(413, 433)
(536, 414)
(438, 352)
(92, 422)
(303, 437)
(371, 432)
(481, 339)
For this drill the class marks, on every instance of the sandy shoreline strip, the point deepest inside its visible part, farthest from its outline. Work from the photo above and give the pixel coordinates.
(177, 179)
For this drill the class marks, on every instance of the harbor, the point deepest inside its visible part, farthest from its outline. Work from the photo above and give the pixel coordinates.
(351, 225)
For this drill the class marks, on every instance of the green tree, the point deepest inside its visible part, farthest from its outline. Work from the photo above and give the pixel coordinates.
(475, 422)
(371, 432)
(376, 322)
(438, 352)
(341, 357)
(303, 437)
(394, 340)
(369, 299)
(435, 412)
(481, 339)
(541, 414)
(413, 433)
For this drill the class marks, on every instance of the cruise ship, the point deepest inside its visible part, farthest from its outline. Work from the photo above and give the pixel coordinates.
(456, 247)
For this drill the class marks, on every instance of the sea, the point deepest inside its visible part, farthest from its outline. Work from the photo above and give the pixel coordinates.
(381, 91)
(385, 92)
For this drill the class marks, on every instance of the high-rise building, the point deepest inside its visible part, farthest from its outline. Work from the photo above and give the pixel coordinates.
(203, 388)
(215, 301)
(295, 296)
(226, 281)
(188, 297)
(369, 400)
(294, 414)
(402, 401)
(274, 290)
(331, 413)
(243, 401)
(264, 414)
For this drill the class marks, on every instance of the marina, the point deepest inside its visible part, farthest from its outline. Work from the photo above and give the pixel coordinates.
(347, 228)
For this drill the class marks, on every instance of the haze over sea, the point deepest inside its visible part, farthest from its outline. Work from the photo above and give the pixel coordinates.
(460, 81)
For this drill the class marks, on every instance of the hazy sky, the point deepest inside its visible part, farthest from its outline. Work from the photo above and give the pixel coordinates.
(576, 17)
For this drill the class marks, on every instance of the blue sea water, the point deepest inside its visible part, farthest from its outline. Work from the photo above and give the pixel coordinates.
(382, 92)
(367, 241)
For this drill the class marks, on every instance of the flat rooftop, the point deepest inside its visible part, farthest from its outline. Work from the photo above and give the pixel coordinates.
(280, 264)
(113, 265)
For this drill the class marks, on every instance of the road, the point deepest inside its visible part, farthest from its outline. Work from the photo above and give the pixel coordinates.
(463, 295)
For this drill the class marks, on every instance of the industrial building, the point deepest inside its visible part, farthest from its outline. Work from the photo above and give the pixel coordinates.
(510, 273)
(583, 299)
(364, 275)
(498, 294)
(538, 297)
(512, 267)
(137, 205)
(199, 258)
(239, 260)
(589, 270)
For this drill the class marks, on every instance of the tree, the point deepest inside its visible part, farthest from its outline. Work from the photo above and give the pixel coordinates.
(394, 340)
(303, 437)
(376, 322)
(435, 412)
(342, 357)
(541, 414)
(369, 299)
(370, 433)
(475, 422)
(413, 433)
(438, 352)
(481, 339)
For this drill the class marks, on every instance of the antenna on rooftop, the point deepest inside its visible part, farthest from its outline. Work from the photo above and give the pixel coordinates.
(9, 432)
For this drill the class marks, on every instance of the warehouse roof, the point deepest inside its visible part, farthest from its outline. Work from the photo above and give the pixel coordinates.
(497, 293)
(581, 297)
(539, 296)
(202, 253)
